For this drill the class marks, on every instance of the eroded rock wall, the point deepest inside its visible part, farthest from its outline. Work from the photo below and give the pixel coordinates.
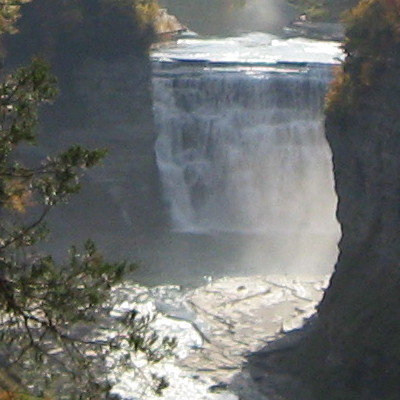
(360, 314)
(120, 200)
(351, 351)
(98, 51)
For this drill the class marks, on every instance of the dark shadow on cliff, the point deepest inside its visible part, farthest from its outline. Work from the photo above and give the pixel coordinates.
(277, 370)
(352, 351)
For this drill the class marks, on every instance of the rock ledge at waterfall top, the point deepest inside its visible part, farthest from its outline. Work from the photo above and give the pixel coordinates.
(331, 31)
(167, 26)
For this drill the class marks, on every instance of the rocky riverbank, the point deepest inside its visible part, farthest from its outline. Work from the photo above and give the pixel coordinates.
(315, 30)
(217, 326)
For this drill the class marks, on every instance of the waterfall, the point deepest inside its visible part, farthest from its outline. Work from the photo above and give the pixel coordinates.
(243, 149)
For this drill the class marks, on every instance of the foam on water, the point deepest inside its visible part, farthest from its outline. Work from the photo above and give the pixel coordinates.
(251, 48)
(215, 328)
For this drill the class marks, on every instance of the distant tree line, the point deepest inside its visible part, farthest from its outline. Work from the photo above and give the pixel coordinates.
(323, 10)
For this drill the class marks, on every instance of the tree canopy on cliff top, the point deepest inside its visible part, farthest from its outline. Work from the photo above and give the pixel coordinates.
(51, 341)
(372, 45)
(67, 32)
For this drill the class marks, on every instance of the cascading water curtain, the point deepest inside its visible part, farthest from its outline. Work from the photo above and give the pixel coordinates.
(245, 152)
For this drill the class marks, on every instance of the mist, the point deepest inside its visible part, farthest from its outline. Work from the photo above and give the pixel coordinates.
(264, 16)
(221, 17)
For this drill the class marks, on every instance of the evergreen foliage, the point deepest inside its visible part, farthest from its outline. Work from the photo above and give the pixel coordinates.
(56, 334)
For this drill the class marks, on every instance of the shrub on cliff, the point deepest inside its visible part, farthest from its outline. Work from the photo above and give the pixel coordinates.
(372, 44)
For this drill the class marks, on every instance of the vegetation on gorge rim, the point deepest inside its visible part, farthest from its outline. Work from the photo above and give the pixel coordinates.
(323, 10)
(52, 341)
(371, 46)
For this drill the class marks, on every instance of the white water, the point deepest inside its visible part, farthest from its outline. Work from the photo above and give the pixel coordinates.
(245, 153)
(242, 153)
(252, 48)
(241, 147)
(215, 326)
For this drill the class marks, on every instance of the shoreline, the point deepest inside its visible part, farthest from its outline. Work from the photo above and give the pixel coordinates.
(218, 325)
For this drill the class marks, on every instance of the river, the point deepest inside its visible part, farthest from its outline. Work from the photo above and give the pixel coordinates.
(245, 167)
(247, 177)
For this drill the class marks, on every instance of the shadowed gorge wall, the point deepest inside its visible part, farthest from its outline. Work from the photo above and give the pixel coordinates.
(122, 196)
(360, 315)
(354, 352)
(99, 53)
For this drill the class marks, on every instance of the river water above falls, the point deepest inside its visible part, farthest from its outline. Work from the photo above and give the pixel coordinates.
(245, 167)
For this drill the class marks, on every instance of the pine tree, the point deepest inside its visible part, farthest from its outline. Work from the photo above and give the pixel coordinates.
(55, 331)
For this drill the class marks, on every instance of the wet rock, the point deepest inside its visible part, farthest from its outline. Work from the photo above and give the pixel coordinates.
(167, 26)
(217, 326)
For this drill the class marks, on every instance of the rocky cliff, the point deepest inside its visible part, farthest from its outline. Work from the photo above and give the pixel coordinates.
(352, 350)
(99, 52)
(120, 200)
(360, 314)
(359, 318)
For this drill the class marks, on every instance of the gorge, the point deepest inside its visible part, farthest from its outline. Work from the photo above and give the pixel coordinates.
(245, 173)
(242, 158)
(218, 167)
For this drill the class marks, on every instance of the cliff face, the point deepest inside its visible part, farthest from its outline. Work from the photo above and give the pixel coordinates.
(98, 52)
(351, 351)
(360, 314)
(120, 200)
(357, 343)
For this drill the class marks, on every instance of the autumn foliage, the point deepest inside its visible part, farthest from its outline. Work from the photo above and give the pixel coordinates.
(372, 45)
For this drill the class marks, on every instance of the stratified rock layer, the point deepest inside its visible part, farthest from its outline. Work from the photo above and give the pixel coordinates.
(121, 200)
